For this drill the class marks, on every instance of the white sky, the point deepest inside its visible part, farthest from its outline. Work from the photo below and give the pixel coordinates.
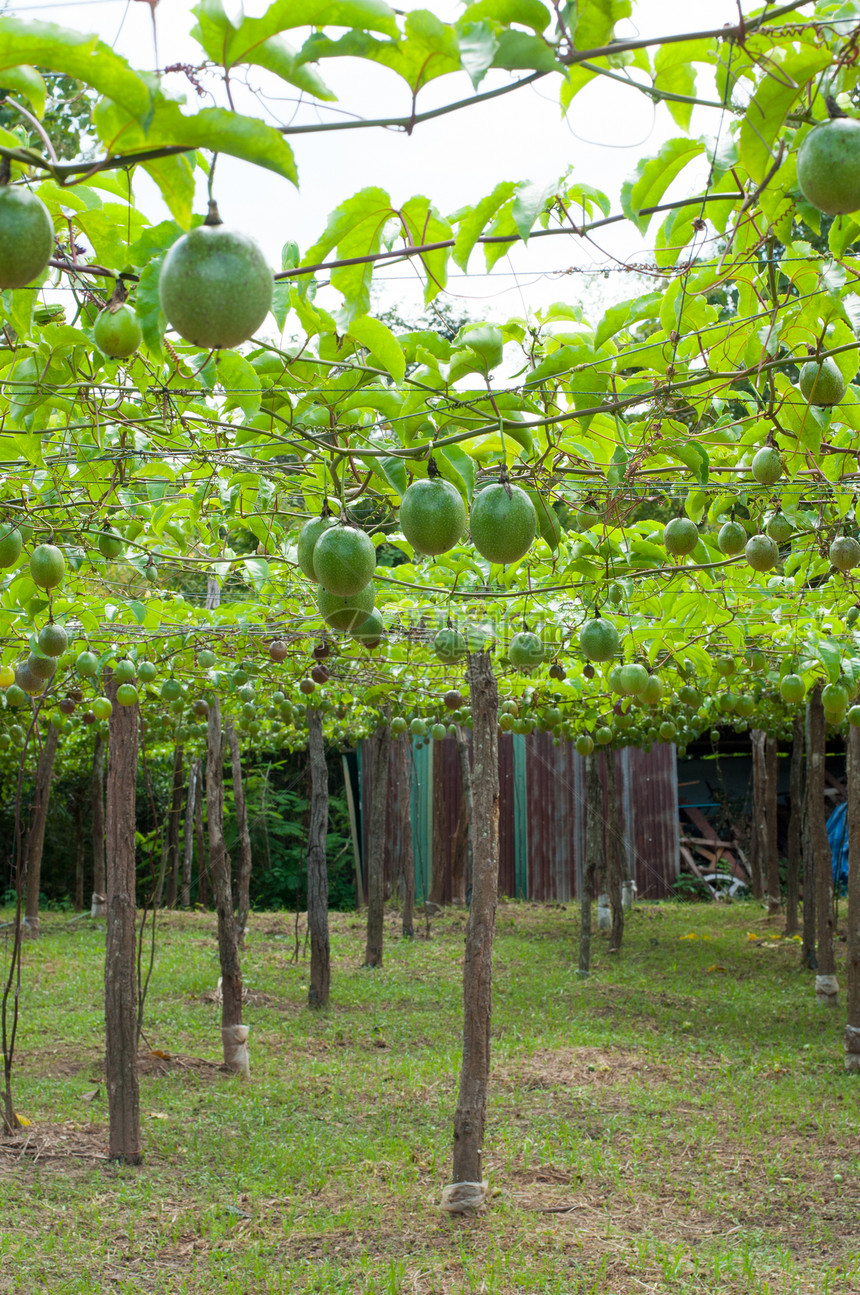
(454, 160)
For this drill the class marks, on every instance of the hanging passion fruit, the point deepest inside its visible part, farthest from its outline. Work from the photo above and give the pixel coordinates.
(503, 522)
(828, 166)
(215, 286)
(432, 515)
(26, 236)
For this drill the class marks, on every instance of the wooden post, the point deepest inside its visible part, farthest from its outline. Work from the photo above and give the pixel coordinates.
(243, 876)
(771, 801)
(36, 834)
(320, 979)
(592, 860)
(758, 844)
(852, 970)
(97, 812)
(172, 834)
(826, 988)
(353, 831)
(795, 796)
(121, 1002)
(234, 1034)
(188, 834)
(376, 848)
(470, 1116)
(403, 765)
(614, 862)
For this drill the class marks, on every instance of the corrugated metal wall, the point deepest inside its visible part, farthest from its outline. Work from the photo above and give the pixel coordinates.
(542, 809)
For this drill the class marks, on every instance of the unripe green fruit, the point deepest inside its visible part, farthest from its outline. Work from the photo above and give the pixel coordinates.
(526, 651)
(117, 332)
(418, 728)
(206, 659)
(215, 287)
(681, 536)
(779, 528)
(791, 689)
(731, 539)
(171, 690)
(398, 725)
(110, 543)
(834, 697)
(689, 696)
(653, 690)
(345, 614)
(308, 536)
(667, 731)
(147, 671)
(438, 732)
(124, 671)
(767, 466)
(126, 694)
(633, 678)
(15, 696)
(745, 706)
(371, 630)
(26, 236)
(344, 560)
(449, 646)
(845, 553)
(47, 566)
(102, 708)
(598, 640)
(11, 543)
(854, 717)
(87, 664)
(828, 166)
(762, 553)
(584, 744)
(503, 523)
(604, 735)
(53, 640)
(725, 666)
(432, 516)
(822, 383)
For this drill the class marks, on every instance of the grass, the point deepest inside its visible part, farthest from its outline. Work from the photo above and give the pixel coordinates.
(679, 1122)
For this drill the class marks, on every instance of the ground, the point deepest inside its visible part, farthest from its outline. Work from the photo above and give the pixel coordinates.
(678, 1122)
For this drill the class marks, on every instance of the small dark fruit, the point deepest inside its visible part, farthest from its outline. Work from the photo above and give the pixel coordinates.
(278, 650)
(320, 674)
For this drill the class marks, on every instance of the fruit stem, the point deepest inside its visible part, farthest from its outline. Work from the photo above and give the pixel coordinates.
(117, 297)
(432, 468)
(212, 216)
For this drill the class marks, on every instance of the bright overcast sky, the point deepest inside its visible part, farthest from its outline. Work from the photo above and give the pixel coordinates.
(454, 160)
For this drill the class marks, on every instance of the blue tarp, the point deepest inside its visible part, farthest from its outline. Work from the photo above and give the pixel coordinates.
(837, 835)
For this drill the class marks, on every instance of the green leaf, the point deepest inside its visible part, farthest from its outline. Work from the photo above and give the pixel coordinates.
(355, 228)
(594, 21)
(527, 13)
(478, 46)
(695, 457)
(229, 44)
(382, 344)
(175, 178)
(241, 383)
(457, 466)
(519, 52)
(81, 56)
(627, 313)
(787, 74)
(473, 220)
(653, 177)
(425, 225)
(674, 73)
(24, 80)
(147, 303)
(528, 205)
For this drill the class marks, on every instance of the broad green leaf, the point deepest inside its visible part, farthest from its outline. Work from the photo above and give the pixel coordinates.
(529, 202)
(674, 72)
(26, 81)
(175, 178)
(148, 306)
(240, 382)
(355, 228)
(81, 56)
(228, 43)
(526, 13)
(478, 45)
(787, 72)
(472, 221)
(425, 225)
(520, 52)
(625, 314)
(382, 344)
(653, 177)
(593, 22)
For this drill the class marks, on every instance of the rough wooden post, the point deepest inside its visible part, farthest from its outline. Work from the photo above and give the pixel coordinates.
(172, 828)
(795, 796)
(234, 1035)
(826, 988)
(771, 802)
(36, 833)
(407, 857)
(320, 980)
(470, 1116)
(188, 834)
(120, 955)
(200, 841)
(243, 873)
(97, 811)
(592, 860)
(376, 848)
(852, 970)
(614, 862)
(758, 845)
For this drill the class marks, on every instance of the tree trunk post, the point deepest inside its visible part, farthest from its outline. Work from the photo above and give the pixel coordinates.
(173, 821)
(376, 848)
(852, 970)
(771, 767)
(758, 851)
(243, 873)
(234, 1035)
(97, 812)
(403, 752)
(614, 863)
(320, 980)
(36, 834)
(826, 988)
(188, 834)
(203, 888)
(80, 865)
(470, 1116)
(795, 796)
(591, 862)
(120, 954)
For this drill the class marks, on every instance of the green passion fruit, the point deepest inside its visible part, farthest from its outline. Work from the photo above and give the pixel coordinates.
(681, 536)
(503, 522)
(215, 286)
(117, 332)
(526, 650)
(345, 614)
(845, 553)
(344, 560)
(11, 543)
(731, 539)
(47, 566)
(599, 640)
(762, 553)
(432, 516)
(52, 640)
(766, 466)
(822, 383)
(110, 543)
(308, 536)
(792, 689)
(449, 646)
(632, 678)
(779, 528)
(26, 236)
(828, 166)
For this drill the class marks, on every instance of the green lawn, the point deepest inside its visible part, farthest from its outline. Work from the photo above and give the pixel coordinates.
(678, 1122)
